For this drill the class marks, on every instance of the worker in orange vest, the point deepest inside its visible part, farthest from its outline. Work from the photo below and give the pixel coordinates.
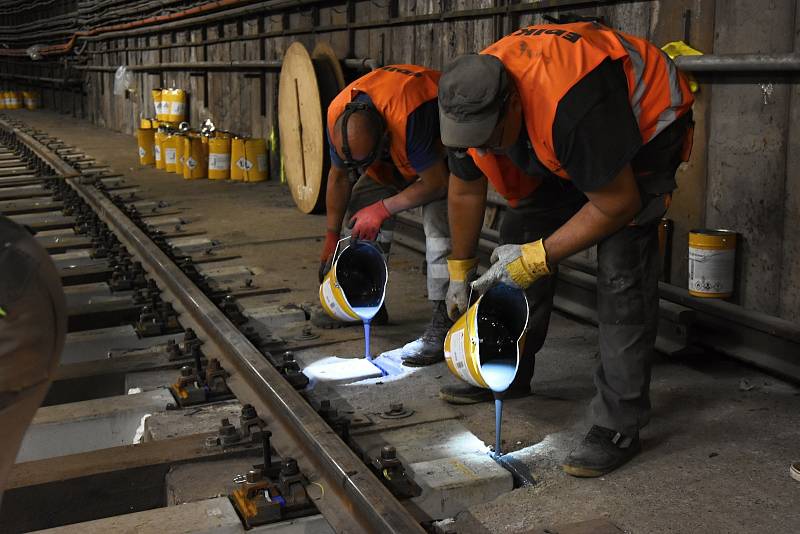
(386, 157)
(33, 324)
(582, 129)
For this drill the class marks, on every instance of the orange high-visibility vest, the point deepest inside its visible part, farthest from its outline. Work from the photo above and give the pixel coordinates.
(396, 91)
(546, 61)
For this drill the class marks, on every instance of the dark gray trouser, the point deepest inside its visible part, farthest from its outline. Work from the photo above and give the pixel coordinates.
(367, 191)
(627, 301)
(32, 329)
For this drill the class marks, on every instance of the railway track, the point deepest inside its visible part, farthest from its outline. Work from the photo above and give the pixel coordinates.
(127, 260)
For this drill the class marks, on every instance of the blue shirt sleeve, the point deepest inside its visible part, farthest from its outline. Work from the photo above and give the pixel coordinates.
(422, 136)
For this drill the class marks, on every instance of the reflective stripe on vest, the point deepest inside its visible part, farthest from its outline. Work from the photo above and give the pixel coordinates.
(396, 91)
(546, 61)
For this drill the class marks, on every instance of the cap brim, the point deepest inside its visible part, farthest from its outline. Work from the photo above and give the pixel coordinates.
(467, 134)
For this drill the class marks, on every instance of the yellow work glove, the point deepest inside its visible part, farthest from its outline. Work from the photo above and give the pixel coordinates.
(462, 272)
(515, 265)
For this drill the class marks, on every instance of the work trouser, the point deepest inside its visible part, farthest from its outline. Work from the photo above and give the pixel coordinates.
(33, 321)
(367, 191)
(628, 267)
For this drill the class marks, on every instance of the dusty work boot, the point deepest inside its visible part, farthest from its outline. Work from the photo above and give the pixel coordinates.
(320, 319)
(469, 394)
(429, 349)
(600, 452)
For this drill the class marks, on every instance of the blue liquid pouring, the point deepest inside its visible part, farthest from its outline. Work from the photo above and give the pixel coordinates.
(366, 314)
(498, 375)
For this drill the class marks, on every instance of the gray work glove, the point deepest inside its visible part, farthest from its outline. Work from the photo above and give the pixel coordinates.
(515, 265)
(462, 273)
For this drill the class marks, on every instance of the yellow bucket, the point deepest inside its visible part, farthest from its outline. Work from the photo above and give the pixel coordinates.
(253, 162)
(158, 148)
(169, 154)
(484, 346)
(145, 138)
(712, 256)
(237, 155)
(174, 104)
(219, 158)
(195, 157)
(31, 99)
(158, 104)
(3, 100)
(355, 286)
(179, 144)
(13, 100)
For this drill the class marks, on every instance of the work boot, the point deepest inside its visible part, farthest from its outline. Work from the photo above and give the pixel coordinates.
(469, 394)
(429, 349)
(600, 452)
(321, 319)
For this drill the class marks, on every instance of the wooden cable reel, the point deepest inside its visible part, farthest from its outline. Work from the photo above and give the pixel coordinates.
(307, 85)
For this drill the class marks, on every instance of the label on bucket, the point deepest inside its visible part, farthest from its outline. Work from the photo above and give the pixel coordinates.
(157, 150)
(244, 164)
(219, 162)
(711, 271)
(459, 356)
(261, 161)
(191, 163)
(170, 154)
(142, 152)
(176, 108)
(332, 304)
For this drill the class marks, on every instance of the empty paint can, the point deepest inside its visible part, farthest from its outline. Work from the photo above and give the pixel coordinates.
(219, 158)
(237, 154)
(169, 153)
(158, 148)
(712, 255)
(30, 99)
(484, 346)
(145, 138)
(355, 286)
(174, 104)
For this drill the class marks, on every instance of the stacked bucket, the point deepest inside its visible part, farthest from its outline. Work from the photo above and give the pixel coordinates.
(19, 100)
(169, 144)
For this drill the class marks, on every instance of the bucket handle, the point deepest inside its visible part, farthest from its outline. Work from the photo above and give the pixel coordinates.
(336, 250)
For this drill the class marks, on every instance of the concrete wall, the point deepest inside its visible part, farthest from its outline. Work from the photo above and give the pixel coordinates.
(740, 173)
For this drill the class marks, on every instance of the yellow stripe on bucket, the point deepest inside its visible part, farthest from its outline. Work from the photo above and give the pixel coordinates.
(145, 138)
(219, 158)
(712, 256)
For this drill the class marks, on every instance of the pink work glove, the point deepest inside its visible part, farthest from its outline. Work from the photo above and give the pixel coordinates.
(368, 221)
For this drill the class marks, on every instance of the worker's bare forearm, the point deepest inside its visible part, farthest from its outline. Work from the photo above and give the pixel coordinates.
(466, 202)
(432, 185)
(608, 210)
(337, 195)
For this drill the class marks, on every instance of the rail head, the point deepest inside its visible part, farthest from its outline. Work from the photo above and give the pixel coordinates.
(352, 499)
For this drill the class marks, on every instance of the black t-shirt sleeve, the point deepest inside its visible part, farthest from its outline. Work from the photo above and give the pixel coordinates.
(595, 132)
(461, 165)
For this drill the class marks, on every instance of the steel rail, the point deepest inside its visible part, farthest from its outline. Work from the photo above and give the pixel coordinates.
(352, 499)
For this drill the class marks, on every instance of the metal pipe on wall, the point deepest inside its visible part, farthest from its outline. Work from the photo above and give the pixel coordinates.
(740, 63)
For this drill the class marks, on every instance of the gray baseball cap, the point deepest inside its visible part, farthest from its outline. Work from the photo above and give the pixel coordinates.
(472, 90)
